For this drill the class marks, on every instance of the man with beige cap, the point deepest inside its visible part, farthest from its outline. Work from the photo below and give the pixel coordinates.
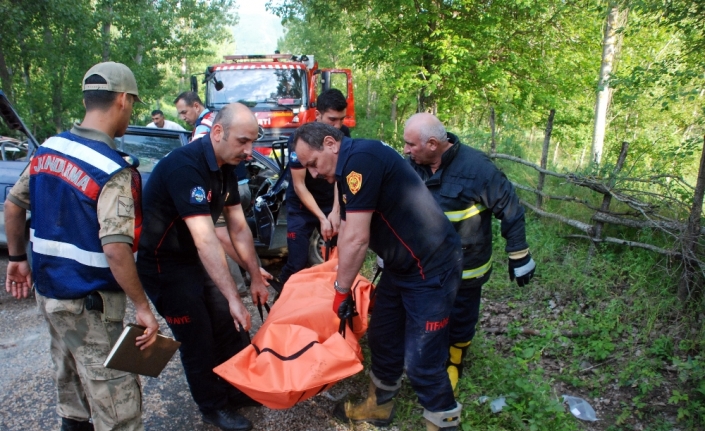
(76, 185)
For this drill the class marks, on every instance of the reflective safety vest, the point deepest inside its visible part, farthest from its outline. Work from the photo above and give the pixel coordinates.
(470, 189)
(67, 175)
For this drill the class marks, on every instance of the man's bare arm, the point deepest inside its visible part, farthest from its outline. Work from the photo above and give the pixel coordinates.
(122, 265)
(352, 247)
(19, 277)
(212, 257)
(241, 238)
(298, 177)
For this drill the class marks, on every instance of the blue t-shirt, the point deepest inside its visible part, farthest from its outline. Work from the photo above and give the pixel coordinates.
(408, 230)
(186, 183)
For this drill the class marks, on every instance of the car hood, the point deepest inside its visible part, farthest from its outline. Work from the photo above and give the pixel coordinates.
(14, 122)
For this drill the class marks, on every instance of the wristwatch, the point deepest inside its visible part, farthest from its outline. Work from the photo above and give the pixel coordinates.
(338, 289)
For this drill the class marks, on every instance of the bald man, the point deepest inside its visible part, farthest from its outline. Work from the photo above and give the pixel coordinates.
(469, 189)
(182, 264)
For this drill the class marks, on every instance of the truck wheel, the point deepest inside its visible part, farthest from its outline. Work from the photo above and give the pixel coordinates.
(314, 249)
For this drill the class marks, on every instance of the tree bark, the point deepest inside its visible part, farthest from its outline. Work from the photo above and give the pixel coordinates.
(107, 24)
(609, 50)
(5, 76)
(691, 276)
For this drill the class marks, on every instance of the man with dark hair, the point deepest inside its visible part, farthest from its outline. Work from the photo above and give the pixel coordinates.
(159, 122)
(182, 264)
(192, 111)
(386, 206)
(469, 188)
(86, 213)
(311, 203)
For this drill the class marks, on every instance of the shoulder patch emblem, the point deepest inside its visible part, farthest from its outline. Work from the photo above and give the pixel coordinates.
(125, 207)
(198, 195)
(293, 157)
(354, 182)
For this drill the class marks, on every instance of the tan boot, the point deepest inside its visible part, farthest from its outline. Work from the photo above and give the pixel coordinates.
(443, 421)
(455, 364)
(377, 409)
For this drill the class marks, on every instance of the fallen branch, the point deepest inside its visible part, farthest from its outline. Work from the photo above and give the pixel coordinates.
(667, 225)
(575, 223)
(524, 162)
(627, 243)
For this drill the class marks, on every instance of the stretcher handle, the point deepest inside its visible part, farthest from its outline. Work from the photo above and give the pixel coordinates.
(327, 247)
(259, 308)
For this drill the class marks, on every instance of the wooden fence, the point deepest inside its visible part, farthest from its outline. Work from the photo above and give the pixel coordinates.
(642, 208)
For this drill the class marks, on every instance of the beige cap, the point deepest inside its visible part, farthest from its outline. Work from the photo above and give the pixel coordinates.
(119, 78)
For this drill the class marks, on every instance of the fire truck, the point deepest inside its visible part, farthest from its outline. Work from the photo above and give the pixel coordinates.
(280, 89)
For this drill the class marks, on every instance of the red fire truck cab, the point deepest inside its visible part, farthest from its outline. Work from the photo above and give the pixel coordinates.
(280, 89)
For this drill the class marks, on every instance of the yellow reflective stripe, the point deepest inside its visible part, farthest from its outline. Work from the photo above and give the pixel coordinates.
(474, 210)
(477, 272)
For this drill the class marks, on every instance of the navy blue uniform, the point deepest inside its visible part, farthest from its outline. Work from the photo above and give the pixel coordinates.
(184, 184)
(422, 264)
(470, 189)
(300, 222)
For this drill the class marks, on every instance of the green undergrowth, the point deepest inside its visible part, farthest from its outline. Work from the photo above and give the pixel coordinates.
(605, 327)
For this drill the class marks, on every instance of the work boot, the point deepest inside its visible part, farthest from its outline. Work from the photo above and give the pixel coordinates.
(455, 364)
(377, 409)
(74, 425)
(448, 420)
(227, 419)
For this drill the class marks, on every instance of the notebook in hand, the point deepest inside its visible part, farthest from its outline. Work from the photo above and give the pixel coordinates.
(125, 356)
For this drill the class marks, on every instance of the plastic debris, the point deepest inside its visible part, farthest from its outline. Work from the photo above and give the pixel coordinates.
(497, 405)
(483, 399)
(580, 408)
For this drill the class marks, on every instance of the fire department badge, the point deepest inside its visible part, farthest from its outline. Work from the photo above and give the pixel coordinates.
(354, 182)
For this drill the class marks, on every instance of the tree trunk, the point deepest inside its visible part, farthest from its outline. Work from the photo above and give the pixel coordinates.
(107, 23)
(5, 76)
(609, 50)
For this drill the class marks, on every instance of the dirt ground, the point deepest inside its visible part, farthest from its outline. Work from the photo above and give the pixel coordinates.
(27, 391)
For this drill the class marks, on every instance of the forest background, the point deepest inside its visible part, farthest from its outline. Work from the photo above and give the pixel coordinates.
(630, 341)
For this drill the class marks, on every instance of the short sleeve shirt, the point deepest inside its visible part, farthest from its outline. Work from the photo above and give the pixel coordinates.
(186, 183)
(408, 229)
(116, 225)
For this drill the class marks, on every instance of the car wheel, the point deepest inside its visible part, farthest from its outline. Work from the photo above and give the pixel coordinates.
(314, 249)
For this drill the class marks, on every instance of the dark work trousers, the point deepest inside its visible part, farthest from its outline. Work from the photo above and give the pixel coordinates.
(409, 329)
(199, 317)
(300, 224)
(466, 312)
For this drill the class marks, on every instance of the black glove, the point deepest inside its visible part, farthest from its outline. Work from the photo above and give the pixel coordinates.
(346, 308)
(522, 269)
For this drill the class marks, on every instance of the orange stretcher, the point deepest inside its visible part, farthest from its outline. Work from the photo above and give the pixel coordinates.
(298, 352)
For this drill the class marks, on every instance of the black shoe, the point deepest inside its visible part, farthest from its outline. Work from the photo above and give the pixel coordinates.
(74, 425)
(227, 419)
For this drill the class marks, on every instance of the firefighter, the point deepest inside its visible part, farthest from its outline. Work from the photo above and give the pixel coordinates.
(469, 188)
(182, 265)
(385, 205)
(311, 203)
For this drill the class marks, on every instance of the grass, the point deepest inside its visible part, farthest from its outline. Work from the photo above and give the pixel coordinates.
(609, 326)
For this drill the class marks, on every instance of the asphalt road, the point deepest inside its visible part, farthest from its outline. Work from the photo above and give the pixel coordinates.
(27, 392)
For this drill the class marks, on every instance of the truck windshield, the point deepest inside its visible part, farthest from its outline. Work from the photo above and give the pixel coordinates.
(284, 87)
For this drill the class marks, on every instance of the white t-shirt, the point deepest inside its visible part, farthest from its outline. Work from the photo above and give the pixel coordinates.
(169, 125)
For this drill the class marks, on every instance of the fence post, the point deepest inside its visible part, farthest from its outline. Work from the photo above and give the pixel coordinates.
(544, 156)
(606, 199)
(692, 233)
(493, 143)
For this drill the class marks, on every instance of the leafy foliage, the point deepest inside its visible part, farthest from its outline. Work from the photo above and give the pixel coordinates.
(47, 46)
